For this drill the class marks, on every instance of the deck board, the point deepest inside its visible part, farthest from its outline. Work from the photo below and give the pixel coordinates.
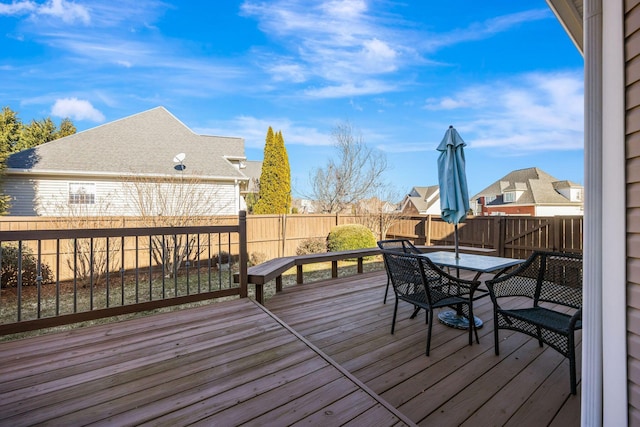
(457, 384)
(223, 364)
(322, 354)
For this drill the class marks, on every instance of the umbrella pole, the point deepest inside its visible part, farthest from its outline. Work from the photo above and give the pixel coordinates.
(455, 233)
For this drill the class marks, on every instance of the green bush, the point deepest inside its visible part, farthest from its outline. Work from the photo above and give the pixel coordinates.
(9, 271)
(350, 236)
(311, 246)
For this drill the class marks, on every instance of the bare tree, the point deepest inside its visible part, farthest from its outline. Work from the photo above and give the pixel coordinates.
(89, 258)
(173, 202)
(378, 213)
(354, 174)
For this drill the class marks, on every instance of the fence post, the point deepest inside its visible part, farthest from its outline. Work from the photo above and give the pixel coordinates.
(555, 233)
(427, 231)
(244, 256)
(284, 234)
(500, 238)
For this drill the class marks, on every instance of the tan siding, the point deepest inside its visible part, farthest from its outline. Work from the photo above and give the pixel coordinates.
(633, 94)
(632, 126)
(633, 145)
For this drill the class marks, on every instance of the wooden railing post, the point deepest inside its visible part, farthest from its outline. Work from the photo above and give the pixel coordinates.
(244, 256)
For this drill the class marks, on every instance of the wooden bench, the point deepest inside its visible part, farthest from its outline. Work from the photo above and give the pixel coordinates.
(263, 273)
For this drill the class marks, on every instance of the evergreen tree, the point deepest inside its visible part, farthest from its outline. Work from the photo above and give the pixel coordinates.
(285, 182)
(16, 136)
(275, 180)
(10, 126)
(66, 128)
(36, 133)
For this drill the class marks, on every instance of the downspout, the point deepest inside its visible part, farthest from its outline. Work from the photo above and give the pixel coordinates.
(591, 403)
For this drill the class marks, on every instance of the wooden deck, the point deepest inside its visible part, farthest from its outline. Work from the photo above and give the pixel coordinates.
(458, 384)
(227, 364)
(330, 361)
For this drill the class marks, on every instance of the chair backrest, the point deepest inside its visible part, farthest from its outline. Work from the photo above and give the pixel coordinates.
(402, 245)
(560, 279)
(554, 277)
(405, 273)
(416, 277)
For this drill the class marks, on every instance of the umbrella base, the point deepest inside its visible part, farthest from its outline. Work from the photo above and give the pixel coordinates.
(454, 320)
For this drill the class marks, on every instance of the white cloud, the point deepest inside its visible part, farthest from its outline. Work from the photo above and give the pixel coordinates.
(17, 8)
(341, 8)
(288, 72)
(339, 43)
(527, 113)
(68, 12)
(254, 131)
(349, 89)
(484, 30)
(76, 109)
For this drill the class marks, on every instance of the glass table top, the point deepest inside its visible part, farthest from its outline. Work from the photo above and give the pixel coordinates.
(480, 263)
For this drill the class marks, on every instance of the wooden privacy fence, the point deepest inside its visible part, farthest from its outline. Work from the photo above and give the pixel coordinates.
(510, 236)
(273, 236)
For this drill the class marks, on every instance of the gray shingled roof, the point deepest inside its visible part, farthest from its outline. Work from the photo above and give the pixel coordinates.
(142, 144)
(253, 170)
(538, 188)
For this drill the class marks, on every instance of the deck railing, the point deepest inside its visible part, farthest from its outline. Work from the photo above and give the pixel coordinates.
(55, 277)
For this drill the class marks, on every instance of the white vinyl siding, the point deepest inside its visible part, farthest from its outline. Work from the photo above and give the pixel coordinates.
(559, 210)
(50, 197)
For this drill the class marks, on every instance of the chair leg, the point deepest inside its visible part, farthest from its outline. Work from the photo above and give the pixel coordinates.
(472, 326)
(430, 316)
(395, 311)
(572, 364)
(496, 339)
(386, 291)
(539, 332)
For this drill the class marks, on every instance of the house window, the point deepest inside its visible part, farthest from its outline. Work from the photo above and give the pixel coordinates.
(82, 193)
(509, 197)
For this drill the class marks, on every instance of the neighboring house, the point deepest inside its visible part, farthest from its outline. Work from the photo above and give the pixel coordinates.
(109, 169)
(304, 206)
(375, 206)
(607, 32)
(422, 201)
(529, 191)
(252, 169)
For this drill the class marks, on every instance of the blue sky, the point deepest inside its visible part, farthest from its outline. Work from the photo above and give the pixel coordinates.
(504, 73)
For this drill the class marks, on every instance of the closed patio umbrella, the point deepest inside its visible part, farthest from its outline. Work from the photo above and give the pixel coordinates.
(454, 195)
(454, 202)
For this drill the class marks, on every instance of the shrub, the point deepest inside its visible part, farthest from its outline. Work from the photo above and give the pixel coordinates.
(223, 258)
(311, 246)
(257, 258)
(9, 269)
(350, 236)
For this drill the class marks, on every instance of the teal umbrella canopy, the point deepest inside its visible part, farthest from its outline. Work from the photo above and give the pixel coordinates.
(454, 194)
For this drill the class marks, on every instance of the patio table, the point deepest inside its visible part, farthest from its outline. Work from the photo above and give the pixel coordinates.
(478, 263)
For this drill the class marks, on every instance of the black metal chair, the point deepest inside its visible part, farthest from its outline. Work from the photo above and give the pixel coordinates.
(551, 282)
(418, 281)
(400, 245)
